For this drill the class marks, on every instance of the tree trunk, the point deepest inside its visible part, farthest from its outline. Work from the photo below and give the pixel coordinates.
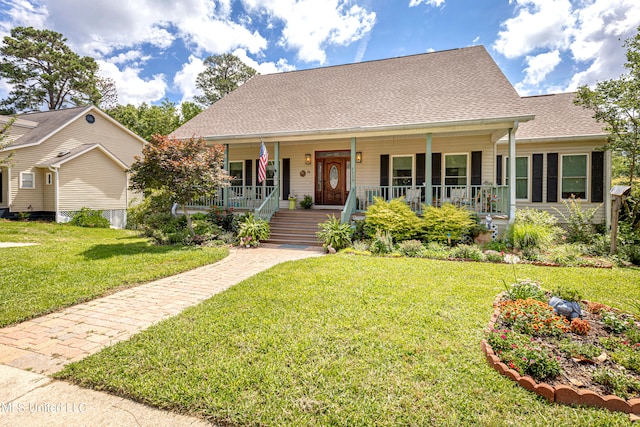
(189, 223)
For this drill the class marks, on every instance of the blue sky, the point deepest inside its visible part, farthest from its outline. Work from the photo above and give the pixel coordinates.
(154, 49)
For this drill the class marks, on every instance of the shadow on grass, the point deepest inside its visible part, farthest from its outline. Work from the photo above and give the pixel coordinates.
(122, 249)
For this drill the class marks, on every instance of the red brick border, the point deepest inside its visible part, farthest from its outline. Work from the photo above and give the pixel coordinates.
(561, 393)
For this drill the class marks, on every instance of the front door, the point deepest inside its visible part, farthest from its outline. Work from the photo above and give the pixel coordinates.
(331, 178)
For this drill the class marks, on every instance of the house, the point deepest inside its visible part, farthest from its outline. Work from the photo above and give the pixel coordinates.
(432, 128)
(64, 160)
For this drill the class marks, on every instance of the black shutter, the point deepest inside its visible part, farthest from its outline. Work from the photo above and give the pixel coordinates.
(436, 168)
(248, 173)
(499, 169)
(476, 168)
(420, 169)
(536, 180)
(552, 177)
(286, 178)
(384, 170)
(597, 176)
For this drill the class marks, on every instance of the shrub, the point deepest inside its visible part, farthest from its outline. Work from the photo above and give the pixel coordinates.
(564, 254)
(157, 202)
(410, 248)
(471, 252)
(436, 250)
(448, 221)
(360, 245)
(580, 326)
(224, 219)
(579, 222)
(493, 256)
(382, 243)
(89, 218)
(532, 317)
(532, 229)
(253, 230)
(306, 202)
(567, 294)
(394, 217)
(526, 289)
(618, 383)
(334, 233)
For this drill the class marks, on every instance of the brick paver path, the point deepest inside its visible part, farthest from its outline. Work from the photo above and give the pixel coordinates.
(47, 343)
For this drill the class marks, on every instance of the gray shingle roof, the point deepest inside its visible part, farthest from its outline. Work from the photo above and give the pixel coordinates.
(439, 87)
(48, 121)
(558, 117)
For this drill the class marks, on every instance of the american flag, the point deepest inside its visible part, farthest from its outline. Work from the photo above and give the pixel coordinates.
(264, 159)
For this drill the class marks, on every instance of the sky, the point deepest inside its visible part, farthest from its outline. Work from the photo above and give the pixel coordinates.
(154, 49)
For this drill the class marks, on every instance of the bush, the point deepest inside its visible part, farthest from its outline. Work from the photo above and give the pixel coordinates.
(448, 221)
(410, 248)
(436, 250)
(533, 229)
(224, 219)
(567, 294)
(89, 218)
(158, 202)
(382, 243)
(394, 217)
(526, 289)
(579, 222)
(334, 233)
(253, 229)
(471, 252)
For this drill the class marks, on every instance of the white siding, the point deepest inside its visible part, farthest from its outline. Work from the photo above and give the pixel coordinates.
(94, 181)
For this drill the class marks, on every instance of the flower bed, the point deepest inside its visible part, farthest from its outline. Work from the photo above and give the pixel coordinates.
(593, 360)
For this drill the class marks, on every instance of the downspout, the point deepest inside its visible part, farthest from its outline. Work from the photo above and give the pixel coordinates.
(512, 172)
(56, 192)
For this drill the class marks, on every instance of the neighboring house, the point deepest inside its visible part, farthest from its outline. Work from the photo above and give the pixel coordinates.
(433, 128)
(64, 160)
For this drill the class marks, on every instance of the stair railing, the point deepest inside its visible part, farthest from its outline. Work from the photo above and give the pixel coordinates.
(270, 205)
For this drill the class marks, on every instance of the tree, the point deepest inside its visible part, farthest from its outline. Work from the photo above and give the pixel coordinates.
(43, 70)
(4, 139)
(109, 94)
(184, 169)
(616, 103)
(224, 74)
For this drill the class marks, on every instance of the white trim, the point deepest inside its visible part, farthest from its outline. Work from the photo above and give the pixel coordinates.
(413, 168)
(33, 180)
(86, 150)
(587, 176)
(48, 179)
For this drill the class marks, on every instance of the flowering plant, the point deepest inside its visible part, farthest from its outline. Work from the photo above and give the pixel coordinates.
(533, 317)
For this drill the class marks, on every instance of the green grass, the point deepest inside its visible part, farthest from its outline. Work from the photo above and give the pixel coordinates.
(74, 264)
(345, 341)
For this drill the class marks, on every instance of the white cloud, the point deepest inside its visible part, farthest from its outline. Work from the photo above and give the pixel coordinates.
(264, 67)
(539, 66)
(435, 3)
(311, 25)
(185, 79)
(132, 89)
(135, 55)
(538, 24)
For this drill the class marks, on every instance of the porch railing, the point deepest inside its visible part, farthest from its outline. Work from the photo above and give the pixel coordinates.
(349, 208)
(238, 197)
(483, 199)
(270, 205)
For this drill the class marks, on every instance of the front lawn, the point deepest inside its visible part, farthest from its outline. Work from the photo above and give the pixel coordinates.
(348, 341)
(73, 264)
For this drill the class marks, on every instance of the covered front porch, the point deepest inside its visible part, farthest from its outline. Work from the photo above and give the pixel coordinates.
(349, 173)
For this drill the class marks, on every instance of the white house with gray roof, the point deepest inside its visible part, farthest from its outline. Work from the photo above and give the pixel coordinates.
(64, 160)
(432, 128)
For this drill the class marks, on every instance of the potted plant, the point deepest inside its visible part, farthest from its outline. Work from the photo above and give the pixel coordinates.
(306, 202)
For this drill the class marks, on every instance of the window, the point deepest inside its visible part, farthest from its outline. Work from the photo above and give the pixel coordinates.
(270, 174)
(402, 167)
(574, 176)
(236, 172)
(522, 177)
(49, 179)
(455, 169)
(27, 180)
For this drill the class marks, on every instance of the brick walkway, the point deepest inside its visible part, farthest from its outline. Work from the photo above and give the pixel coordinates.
(47, 343)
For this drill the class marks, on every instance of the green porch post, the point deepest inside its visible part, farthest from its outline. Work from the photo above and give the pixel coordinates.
(512, 172)
(225, 190)
(276, 167)
(428, 172)
(353, 164)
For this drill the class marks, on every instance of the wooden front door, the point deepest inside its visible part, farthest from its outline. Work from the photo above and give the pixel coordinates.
(331, 186)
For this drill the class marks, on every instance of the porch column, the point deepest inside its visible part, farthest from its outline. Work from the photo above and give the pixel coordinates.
(512, 172)
(225, 190)
(276, 166)
(353, 164)
(428, 172)
(607, 188)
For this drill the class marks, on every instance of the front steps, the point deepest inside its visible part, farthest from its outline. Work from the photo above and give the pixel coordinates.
(298, 227)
